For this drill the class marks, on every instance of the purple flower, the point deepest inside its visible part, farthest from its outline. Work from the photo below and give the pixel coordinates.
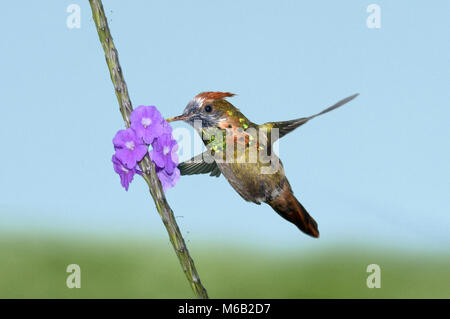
(167, 129)
(147, 127)
(164, 152)
(147, 122)
(167, 180)
(129, 148)
(126, 174)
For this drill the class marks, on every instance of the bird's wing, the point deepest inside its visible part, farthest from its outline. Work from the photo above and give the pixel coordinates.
(201, 164)
(286, 127)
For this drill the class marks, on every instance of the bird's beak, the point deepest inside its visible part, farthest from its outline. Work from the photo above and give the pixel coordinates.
(176, 118)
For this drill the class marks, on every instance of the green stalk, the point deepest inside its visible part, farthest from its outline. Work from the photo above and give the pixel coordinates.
(146, 164)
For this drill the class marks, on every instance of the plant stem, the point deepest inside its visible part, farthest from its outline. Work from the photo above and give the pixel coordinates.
(146, 164)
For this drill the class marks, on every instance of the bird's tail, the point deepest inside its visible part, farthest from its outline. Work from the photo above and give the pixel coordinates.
(288, 207)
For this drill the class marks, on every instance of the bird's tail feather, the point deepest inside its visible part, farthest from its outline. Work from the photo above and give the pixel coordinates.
(288, 207)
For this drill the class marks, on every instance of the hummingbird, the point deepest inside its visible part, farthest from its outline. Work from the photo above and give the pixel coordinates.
(228, 151)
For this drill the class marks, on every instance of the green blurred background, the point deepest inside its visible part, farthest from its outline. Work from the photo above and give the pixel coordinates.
(33, 266)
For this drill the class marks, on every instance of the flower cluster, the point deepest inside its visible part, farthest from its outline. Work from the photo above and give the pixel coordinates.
(147, 128)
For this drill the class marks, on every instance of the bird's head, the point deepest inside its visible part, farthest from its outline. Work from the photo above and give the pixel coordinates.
(211, 110)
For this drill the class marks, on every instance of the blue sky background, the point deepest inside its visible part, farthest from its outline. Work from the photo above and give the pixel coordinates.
(375, 171)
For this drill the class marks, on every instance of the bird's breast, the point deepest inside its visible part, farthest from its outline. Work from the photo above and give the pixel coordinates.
(255, 181)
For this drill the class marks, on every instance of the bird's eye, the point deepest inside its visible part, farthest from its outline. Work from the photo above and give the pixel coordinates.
(208, 108)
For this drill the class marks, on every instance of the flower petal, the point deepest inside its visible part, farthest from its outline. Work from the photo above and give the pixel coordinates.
(140, 151)
(157, 158)
(126, 175)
